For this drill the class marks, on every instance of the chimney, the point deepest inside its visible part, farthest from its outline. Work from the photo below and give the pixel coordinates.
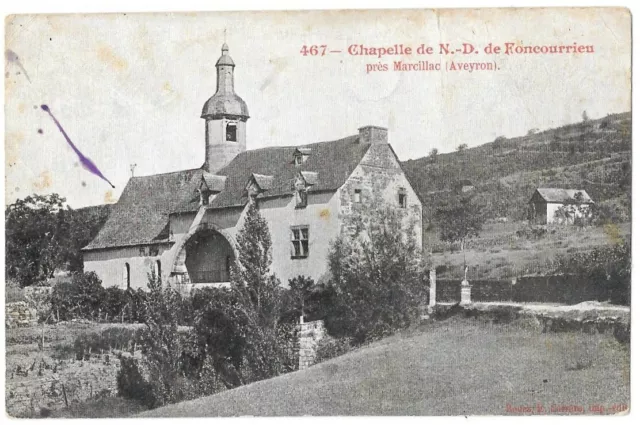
(373, 134)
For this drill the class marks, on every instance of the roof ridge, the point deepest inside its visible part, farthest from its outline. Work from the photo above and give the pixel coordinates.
(168, 172)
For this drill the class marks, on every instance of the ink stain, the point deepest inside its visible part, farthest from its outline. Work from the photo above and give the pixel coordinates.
(84, 183)
(86, 162)
(40, 131)
(11, 56)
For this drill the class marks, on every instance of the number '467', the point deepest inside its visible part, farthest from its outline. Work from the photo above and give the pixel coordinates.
(313, 50)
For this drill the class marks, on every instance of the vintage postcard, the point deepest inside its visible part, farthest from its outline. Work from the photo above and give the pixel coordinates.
(340, 212)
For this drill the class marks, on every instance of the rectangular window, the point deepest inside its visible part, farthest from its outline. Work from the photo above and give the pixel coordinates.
(402, 198)
(300, 242)
(357, 196)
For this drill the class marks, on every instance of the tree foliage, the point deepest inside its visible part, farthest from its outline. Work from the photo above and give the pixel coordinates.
(241, 328)
(37, 230)
(43, 235)
(459, 218)
(378, 275)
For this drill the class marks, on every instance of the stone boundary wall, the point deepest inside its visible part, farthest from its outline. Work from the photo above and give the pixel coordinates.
(309, 335)
(19, 314)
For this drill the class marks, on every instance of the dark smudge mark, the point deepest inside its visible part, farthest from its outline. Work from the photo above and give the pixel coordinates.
(86, 162)
(84, 183)
(40, 131)
(11, 56)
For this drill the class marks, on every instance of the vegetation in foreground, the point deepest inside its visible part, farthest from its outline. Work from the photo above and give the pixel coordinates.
(456, 366)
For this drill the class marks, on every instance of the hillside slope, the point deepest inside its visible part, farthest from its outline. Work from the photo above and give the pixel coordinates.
(594, 155)
(455, 367)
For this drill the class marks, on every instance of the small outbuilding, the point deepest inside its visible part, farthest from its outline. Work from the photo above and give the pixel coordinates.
(546, 203)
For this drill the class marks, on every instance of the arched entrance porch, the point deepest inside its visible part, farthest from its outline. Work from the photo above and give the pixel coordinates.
(204, 257)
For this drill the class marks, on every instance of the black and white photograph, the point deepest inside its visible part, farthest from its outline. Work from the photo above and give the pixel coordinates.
(398, 212)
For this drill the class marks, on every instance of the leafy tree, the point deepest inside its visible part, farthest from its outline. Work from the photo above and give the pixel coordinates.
(433, 154)
(37, 229)
(240, 328)
(462, 147)
(163, 359)
(44, 235)
(459, 219)
(378, 274)
(585, 117)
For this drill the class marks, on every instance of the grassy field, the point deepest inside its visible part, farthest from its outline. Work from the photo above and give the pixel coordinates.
(499, 253)
(454, 367)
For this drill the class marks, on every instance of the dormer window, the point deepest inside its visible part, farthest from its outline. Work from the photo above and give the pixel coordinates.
(204, 197)
(402, 197)
(232, 132)
(301, 155)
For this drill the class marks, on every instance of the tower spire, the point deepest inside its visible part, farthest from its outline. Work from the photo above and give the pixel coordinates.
(226, 115)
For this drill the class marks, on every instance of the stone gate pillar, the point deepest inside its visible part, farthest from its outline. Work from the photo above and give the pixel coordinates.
(432, 288)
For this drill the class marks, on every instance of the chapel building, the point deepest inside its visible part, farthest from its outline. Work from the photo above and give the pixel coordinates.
(182, 225)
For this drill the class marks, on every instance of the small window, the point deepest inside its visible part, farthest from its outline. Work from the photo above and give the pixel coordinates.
(297, 160)
(232, 131)
(157, 269)
(402, 198)
(357, 196)
(301, 198)
(126, 276)
(300, 242)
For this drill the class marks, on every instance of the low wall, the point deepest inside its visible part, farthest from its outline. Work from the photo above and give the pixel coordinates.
(564, 289)
(448, 290)
(557, 289)
(309, 335)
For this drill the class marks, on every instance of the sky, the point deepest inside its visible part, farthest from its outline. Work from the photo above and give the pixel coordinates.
(129, 88)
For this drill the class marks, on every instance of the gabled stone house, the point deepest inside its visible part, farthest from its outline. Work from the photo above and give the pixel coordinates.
(182, 225)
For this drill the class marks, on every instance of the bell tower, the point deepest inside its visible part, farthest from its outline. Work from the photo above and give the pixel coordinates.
(225, 115)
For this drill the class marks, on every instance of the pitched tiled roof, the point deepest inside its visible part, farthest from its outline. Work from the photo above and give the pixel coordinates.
(556, 195)
(142, 213)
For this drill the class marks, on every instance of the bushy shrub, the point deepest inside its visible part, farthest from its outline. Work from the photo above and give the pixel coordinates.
(329, 347)
(378, 275)
(608, 266)
(132, 384)
(113, 338)
(114, 302)
(82, 297)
